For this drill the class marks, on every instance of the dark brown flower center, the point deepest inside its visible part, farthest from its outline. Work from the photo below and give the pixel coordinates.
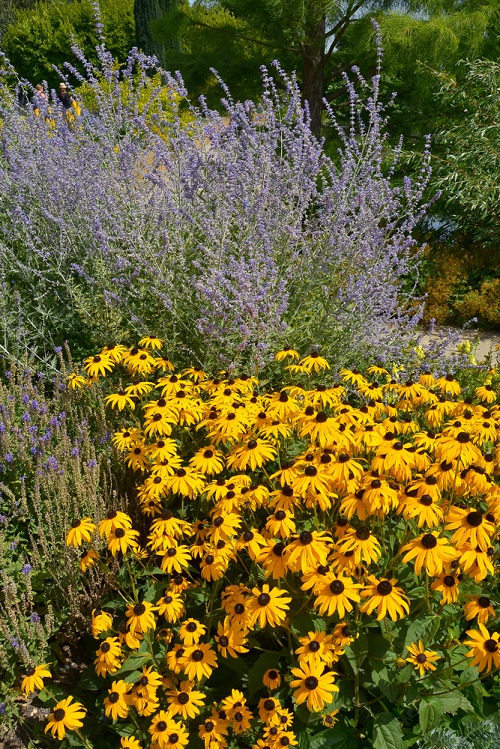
(197, 656)
(306, 538)
(264, 599)
(59, 714)
(337, 587)
(114, 697)
(183, 698)
(384, 588)
(483, 602)
(429, 541)
(269, 704)
(474, 519)
(223, 641)
(363, 533)
(311, 682)
(491, 646)
(449, 581)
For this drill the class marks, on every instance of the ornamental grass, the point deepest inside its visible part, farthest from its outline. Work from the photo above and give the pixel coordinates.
(312, 563)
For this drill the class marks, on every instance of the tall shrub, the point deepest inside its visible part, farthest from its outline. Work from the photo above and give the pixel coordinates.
(228, 235)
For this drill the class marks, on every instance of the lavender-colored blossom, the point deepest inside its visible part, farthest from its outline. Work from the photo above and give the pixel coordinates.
(229, 238)
(92, 463)
(9, 457)
(26, 569)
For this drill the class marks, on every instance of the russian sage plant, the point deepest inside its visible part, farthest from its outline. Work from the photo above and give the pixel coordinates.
(230, 235)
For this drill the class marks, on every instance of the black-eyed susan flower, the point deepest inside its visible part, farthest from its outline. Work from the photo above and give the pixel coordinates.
(448, 585)
(140, 616)
(268, 708)
(480, 607)
(470, 526)
(120, 400)
(267, 606)
(281, 523)
(363, 543)
(458, 447)
(66, 716)
(100, 622)
(212, 732)
(423, 660)
(429, 551)
(198, 661)
(330, 719)
(271, 679)
(207, 460)
(385, 597)
(116, 704)
(336, 594)
(185, 701)
(314, 362)
(485, 651)
(187, 482)
(231, 641)
(80, 531)
(476, 562)
(75, 381)
(308, 551)
(175, 559)
(171, 606)
(121, 540)
(98, 365)
(87, 559)
(254, 453)
(34, 678)
(129, 742)
(191, 631)
(240, 719)
(313, 687)
(316, 647)
(168, 733)
(108, 656)
(485, 393)
(151, 342)
(114, 519)
(148, 683)
(125, 438)
(287, 353)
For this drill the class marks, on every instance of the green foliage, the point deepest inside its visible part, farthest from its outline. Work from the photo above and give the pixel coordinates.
(42, 36)
(467, 165)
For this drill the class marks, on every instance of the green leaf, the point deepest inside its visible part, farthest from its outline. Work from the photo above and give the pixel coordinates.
(387, 732)
(430, 713)
(133, 663)
(357, 651)
(132, 677)
(340, 738)
(423, 629)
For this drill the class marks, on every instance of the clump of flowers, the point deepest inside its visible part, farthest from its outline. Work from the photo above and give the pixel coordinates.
(300, 557)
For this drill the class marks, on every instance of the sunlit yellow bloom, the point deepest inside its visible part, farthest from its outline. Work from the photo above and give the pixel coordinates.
(422, 659)
(80, 531)
(34, 678)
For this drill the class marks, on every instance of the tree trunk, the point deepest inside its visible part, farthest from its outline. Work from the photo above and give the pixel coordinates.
(313, 74)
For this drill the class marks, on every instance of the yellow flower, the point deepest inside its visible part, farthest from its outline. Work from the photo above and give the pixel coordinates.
(88, 559)
(120, 400)
(97, 365)
(485, 652)
(115, 704)
(198, 661)
(66, 715)
(269, 606)
(271, 679)
(314, 362)
(80, 531)
(100, 623)
(151, 342)
(185, 701)
(129, 742)
(75, 381)
(287, 353)
(140, 617)
(386, 598)
(422, 659)
(34, 678)
(430, 552)
(479, 606)
(313, 687)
